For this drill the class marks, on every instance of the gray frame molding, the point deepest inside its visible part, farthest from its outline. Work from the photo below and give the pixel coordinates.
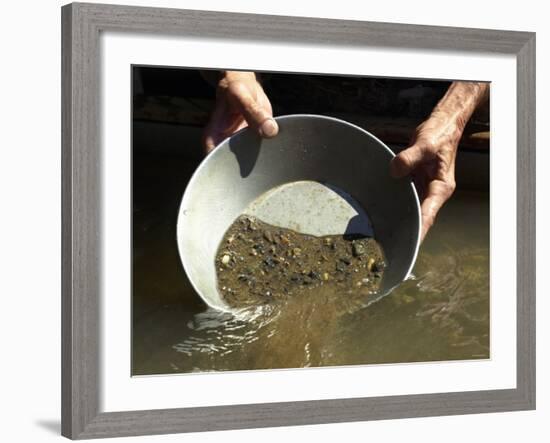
(81, 163)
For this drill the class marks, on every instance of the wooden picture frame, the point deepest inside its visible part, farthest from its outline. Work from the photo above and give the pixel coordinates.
(81, 233)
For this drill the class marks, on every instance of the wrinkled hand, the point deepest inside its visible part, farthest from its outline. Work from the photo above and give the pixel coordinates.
(240, 102)
(430, 160)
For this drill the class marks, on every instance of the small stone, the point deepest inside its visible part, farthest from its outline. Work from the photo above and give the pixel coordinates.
(358, 249)
(271, 262)
(370, 264)
(325, 276)
(313, 275)
(268, 236)
(249, 223)
(225, 259)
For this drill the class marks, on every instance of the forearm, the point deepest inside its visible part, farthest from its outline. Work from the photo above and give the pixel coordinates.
(460, 101)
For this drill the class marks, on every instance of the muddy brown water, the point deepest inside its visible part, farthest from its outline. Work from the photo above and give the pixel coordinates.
(440, 314)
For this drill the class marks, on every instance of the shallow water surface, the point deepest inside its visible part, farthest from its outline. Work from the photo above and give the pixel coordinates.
(442, 313)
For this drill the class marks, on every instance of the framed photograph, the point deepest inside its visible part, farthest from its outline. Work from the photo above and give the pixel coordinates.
(274, 221)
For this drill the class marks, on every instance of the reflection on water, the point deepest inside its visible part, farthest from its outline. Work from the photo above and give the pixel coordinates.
(442, 313)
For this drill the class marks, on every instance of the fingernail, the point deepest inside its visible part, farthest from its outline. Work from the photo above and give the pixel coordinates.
(269, 128)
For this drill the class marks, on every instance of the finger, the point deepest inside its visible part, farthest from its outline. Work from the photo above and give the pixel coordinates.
(211, 133)
(221, 125)
(407, 161)
(257, 116)
(438, 193)
(430, 207)
(213, 137)
(209, 143)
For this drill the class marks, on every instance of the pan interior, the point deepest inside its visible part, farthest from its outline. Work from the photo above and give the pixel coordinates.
(313, 208)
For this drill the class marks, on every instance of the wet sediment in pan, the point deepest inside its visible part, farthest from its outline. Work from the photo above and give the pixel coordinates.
(257, 263)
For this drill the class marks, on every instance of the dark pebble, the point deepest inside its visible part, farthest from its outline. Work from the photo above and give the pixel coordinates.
(314, 275)
(340, 266)
(271, 262)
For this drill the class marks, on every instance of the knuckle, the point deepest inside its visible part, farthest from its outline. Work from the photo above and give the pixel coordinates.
(450, 187)
(429, 146)
(432, 142)
(407, 156)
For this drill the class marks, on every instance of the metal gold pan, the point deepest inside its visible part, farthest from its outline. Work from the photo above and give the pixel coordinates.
(319, 175)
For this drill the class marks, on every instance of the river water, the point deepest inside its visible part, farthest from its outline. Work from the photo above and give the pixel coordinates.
(440, 314)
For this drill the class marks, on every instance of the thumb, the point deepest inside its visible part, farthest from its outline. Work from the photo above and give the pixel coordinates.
(257, 116)
(406, 161)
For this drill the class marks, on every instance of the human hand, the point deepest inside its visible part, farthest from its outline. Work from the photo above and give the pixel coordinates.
(240, 102)
(430, 160)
